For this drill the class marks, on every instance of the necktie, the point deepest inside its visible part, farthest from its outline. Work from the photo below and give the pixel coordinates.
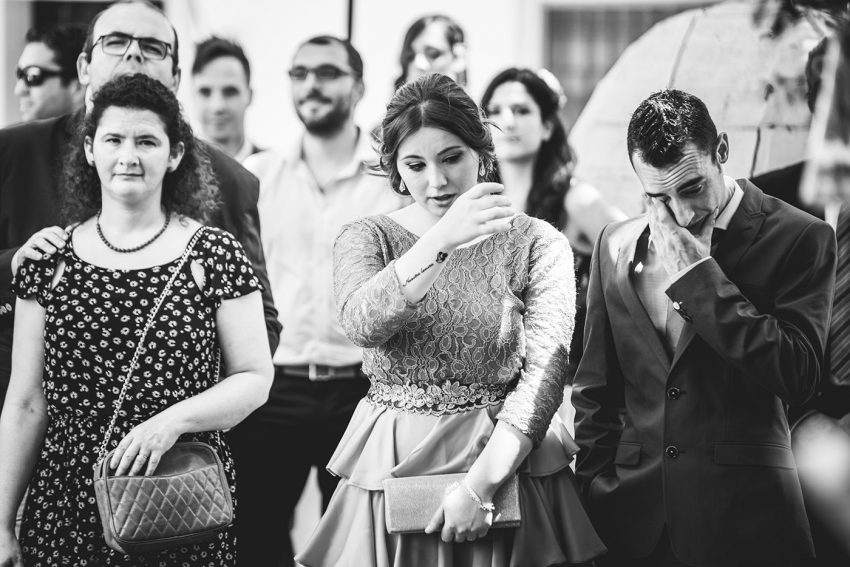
(716, 236)
(839, 331)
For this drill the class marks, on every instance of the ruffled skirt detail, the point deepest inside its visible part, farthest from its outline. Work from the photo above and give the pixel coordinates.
(382, 443)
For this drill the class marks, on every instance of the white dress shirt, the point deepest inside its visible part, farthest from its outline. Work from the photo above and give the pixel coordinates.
(299, 222)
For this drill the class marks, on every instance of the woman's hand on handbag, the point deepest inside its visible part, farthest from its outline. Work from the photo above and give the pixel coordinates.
(141, 450)
(480, 211)
(10, 550)
(460, 517)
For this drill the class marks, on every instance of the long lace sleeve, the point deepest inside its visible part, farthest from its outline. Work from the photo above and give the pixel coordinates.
(371, 307)
(548, 319)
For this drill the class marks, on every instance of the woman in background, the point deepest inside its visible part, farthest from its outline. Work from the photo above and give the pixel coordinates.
(433, 44)
(535, 163)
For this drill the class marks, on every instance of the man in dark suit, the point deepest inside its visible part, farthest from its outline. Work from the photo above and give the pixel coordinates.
(31, 157)
(692, 352)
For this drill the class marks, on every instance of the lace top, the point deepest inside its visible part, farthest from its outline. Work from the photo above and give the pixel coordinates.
(501, 313)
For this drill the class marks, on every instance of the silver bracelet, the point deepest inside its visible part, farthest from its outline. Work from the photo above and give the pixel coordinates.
(485, 506)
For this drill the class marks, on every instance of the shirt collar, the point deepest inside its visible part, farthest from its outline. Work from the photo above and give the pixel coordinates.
(725, 216)
(246, 150)
(365, 155)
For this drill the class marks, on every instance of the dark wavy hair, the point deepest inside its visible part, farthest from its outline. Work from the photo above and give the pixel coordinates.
(555, 160)
(189, 190)
(454, 35)
(436, 101)
(664, 123)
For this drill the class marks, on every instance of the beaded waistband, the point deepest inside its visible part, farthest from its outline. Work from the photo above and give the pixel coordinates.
(436, 399)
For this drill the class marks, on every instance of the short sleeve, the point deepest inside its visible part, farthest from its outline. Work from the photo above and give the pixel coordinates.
(34, 279)
(227, 271)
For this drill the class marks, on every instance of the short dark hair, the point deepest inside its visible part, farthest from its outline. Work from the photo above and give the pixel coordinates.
(90, 39)
(436, 101)
(354, 59)
(66, 43)
(555, 160)
(189, 190)
(814, 70)
(216, 47)
(665, 123)
(454, 36)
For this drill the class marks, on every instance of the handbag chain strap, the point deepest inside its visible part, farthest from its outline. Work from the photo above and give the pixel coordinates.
(141, 344)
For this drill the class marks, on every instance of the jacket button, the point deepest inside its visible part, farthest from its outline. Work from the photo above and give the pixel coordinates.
(672, 451)
(674, 393)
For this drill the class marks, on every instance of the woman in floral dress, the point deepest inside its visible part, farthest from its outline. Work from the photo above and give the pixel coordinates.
(138, 186)
(465, 309)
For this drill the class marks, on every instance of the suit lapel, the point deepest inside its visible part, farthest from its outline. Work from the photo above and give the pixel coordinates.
(630, 297)
(742, 230)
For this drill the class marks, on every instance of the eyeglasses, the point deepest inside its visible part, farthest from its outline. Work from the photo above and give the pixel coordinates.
(322, 73)
(34, 76)
(118, 43)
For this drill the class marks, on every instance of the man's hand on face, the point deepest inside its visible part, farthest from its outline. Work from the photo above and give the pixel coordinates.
(676, 246)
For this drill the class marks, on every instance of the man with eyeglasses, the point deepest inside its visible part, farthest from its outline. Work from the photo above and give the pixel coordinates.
(47, 83)
(306, 195)
(132, 36)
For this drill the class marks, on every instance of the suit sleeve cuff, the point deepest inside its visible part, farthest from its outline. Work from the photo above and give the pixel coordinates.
(678, 275)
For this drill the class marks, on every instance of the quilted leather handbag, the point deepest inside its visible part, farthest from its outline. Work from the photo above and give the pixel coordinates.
(187, 499)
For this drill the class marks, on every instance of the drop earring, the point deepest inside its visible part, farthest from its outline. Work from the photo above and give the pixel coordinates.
(481, 170)
(402, 188)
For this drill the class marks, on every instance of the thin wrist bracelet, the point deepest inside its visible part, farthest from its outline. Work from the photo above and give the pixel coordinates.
(486, 506)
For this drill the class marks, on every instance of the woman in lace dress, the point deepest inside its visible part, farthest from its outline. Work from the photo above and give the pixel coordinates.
(138, 186)
(465, 310)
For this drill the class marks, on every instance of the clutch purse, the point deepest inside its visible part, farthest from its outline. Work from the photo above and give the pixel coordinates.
(410, 502)
(186, 501)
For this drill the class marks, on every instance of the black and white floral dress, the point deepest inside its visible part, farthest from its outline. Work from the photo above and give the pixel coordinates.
(93, 318)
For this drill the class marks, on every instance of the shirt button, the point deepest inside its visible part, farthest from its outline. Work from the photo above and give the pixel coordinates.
(674, 393)
(672, 451)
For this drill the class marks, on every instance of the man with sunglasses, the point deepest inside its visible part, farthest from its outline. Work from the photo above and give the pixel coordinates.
(47, 83)
(128, 37)
(306, 196)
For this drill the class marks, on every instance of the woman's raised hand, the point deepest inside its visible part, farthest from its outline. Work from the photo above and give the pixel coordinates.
(480, 211)
(141, 450)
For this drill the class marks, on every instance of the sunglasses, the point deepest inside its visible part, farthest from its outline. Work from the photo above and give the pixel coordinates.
(322, 73)
(34, 76)
(118, 43)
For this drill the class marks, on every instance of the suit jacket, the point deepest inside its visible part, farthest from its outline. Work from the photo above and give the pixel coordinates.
(831, 399)
(700, 442)
(31, 157)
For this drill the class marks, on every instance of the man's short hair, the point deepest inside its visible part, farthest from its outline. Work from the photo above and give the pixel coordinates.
(90, 39)
(665, 123)
(354, 59)
(66, 43)
(215, 47)
(814, 70)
